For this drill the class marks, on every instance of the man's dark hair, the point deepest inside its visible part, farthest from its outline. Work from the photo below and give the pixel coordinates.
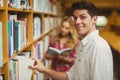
(89, 6)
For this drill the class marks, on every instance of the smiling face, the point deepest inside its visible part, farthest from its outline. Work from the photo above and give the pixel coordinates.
(84, 23)
(65, 28)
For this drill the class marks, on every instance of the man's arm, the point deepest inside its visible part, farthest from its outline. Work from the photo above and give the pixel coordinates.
(54, 74)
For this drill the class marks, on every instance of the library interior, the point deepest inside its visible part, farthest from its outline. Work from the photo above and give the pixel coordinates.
(26, 26)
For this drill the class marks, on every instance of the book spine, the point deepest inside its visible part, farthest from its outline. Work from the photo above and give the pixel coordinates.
(1, 48)
(16, 36)
(9, 38)
(2, 76)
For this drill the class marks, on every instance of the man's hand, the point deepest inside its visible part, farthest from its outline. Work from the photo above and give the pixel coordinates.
(37, 65)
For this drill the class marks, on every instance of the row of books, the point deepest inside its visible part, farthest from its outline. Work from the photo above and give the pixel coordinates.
(38, 49)
(17, 33)
(19, 67)
(18, 30)
(20, 63)
(49, 23)
(44, 6)
(20, 4)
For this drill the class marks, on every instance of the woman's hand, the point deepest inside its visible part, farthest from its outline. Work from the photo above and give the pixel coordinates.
(65, 59)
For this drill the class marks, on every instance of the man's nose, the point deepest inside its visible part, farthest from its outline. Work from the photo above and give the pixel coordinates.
(78, 20)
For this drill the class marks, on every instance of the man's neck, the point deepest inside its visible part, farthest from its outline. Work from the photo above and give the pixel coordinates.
(83, 36)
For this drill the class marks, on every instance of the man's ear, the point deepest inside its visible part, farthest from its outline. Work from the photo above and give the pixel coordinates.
(95, 18)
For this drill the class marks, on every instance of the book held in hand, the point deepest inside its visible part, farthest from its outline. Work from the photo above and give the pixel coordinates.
(24, 72)
(53, 51)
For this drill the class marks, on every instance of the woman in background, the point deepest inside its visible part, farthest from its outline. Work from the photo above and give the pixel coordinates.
(65, 38)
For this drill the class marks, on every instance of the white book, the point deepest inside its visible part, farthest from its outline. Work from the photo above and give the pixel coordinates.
(15, 65)
(1, 77)
(1, 3)
(38, 76)
(24, 72)
(16, 3)
(37, 27)
(20, 27)
(41, 49)
(36, 5)
(46, 25)
(1, 48)
(46, 43)
(11, 69)
(53, 51)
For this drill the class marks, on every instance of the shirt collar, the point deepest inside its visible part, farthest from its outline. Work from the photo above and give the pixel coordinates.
(89, 37)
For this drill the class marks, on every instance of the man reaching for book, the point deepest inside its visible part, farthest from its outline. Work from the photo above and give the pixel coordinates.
(93, 59)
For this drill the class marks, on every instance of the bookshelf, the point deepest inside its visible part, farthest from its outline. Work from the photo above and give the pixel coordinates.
(18, 27)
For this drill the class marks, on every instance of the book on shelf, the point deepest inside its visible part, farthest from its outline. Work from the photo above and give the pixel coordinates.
(37, 28)
(24, 62)
(1, 48)
(38, 76)
(38, 50)
(13, 67)
(19, 68)
(1, 3)
(19, 4)
(53, 51)
(17, 33)
(2, 76)
(26, 54)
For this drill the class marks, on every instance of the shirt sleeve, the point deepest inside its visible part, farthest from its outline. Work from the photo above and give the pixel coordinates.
(71, 73)
(101, 64)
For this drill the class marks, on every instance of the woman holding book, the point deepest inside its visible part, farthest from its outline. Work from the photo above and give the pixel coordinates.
(65, 38)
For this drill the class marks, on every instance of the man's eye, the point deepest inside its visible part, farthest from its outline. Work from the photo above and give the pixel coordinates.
(82, 17)
(74, 18)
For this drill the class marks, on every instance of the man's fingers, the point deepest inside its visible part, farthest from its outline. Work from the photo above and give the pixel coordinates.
(32, 67)
(35, 59)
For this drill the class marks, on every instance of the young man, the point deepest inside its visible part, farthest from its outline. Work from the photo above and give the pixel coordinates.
(93, 60)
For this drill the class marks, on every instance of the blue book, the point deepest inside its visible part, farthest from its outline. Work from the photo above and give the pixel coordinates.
(39, 51)
(1, 48)
(16, 36)
(9, 38)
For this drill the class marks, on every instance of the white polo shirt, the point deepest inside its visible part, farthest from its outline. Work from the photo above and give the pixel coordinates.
(93, 60)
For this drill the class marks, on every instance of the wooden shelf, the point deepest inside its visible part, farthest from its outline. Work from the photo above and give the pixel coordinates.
(2, 8)
(18, 10)
(20, 15)
(28, 45)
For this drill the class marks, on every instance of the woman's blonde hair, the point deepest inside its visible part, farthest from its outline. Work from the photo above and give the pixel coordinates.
(72, 34)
